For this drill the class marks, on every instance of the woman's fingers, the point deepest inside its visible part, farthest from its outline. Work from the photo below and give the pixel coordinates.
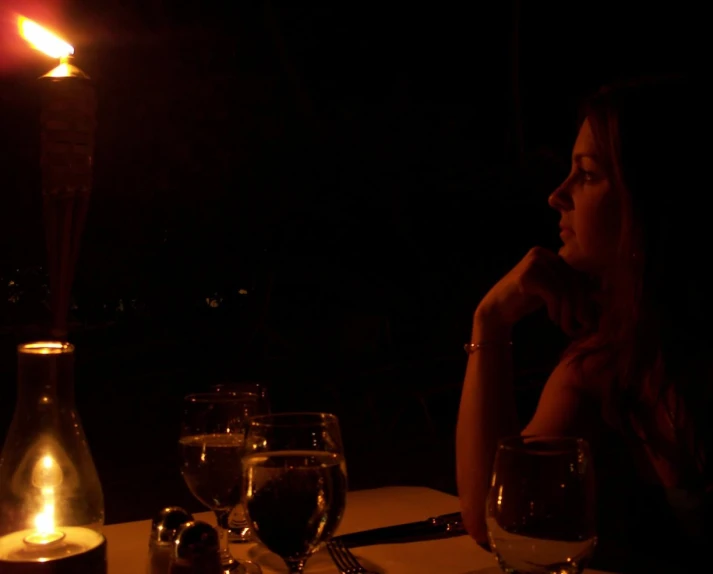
(554, 309)
(540, 278)
(544, 289)
(556, 284)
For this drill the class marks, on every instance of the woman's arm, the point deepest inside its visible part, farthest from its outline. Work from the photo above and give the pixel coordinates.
(486, 414)
(487, 409)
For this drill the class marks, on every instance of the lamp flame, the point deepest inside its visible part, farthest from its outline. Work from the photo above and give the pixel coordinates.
(44, 521)
(42, 39)
(47, 476)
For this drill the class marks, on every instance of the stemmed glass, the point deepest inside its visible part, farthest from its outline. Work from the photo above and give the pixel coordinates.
(294, 482)
(540, 510)
(238, 527)
(211, 445)
(252, 387)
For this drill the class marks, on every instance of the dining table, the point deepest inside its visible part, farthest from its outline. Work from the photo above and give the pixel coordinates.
(128, 542)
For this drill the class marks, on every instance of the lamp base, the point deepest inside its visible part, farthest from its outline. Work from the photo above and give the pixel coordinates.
(91, 562)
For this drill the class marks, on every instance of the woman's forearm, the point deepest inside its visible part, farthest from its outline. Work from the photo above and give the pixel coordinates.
(487, 413)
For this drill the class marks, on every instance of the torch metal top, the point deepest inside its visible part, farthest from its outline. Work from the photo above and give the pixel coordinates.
(66, 69)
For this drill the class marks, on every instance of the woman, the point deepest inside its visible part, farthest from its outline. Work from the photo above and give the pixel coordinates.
(628, 286)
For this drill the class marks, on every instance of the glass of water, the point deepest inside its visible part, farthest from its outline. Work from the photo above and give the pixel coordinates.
(211, 445)
(250, 387)
(238, 528)
(540, 511)
(294, 483)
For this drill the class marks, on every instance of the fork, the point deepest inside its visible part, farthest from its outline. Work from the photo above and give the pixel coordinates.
(344, 559)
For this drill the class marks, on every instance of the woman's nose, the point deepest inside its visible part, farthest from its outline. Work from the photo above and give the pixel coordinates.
(561, 199)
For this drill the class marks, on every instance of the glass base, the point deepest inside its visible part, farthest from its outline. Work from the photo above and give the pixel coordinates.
(239, 535)
(232, 566)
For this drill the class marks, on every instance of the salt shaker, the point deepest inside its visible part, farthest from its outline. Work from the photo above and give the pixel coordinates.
(196, 550)
(164, 529)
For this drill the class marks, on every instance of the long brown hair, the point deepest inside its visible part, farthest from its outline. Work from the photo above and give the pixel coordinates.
(657, 330)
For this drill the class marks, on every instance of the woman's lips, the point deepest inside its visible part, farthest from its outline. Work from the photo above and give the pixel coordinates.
(565, 231)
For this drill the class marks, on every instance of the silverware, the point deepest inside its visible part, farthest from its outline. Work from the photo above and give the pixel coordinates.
(444, 526)
(344, 559)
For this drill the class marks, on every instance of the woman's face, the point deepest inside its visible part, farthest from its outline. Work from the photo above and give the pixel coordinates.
(590, 210)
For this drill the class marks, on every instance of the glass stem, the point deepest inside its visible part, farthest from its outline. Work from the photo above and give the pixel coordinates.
(221, 518)
(296, 565)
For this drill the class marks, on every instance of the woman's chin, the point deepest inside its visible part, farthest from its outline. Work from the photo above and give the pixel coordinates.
(577, 261)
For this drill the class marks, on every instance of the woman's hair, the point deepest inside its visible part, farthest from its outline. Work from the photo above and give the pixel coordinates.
(652, 137)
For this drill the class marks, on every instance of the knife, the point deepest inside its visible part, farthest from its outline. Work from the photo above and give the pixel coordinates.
(444, 526)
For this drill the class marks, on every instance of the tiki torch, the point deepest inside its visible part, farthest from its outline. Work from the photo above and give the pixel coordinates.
(68, 121)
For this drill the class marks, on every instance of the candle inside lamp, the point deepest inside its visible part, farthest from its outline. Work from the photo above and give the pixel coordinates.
(50, 497)
(46, 477)
(47, 541)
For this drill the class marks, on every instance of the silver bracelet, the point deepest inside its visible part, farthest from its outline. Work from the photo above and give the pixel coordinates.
(471, 348)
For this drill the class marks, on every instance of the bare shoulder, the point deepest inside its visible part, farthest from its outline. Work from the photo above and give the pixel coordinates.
(586, 368)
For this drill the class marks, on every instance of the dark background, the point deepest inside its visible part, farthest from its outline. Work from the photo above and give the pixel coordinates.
(310, 194)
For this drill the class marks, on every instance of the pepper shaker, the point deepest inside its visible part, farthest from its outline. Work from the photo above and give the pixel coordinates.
(164, 529)
(196, 550)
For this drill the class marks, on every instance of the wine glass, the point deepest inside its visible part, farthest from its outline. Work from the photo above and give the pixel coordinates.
(211, 445)
(540, 511)
(294, 482)
(238, 527)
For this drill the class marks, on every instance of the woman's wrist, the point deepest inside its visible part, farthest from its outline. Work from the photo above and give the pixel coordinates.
(490, 329)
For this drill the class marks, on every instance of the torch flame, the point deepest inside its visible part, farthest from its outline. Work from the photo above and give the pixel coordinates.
(42, 39)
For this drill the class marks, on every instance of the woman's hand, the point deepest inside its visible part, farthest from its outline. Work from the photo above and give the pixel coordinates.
(541, 278)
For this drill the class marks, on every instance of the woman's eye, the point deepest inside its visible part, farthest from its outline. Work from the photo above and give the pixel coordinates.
(587, 175)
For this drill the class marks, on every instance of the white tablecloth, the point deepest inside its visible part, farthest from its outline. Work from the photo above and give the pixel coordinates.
(128, 542)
